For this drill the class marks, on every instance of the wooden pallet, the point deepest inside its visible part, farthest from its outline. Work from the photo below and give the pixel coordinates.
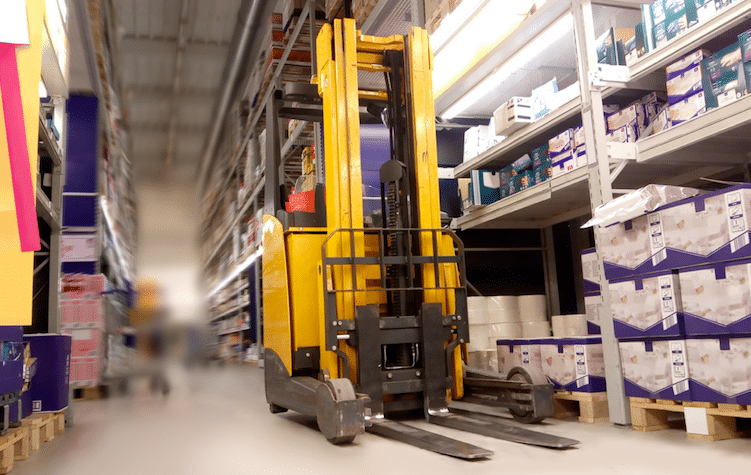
(589, 407)
(89, 393)
(649, 415)
(14, 445)
(43, 427)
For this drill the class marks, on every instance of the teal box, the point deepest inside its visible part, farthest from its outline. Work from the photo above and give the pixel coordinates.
(725, 71)
(680, 15)
(744, 40)
(524, 180)
(542, 173)
(641, 42)
(484, 188)
(540, 155)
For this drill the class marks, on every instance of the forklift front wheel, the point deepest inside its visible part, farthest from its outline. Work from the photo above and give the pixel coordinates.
(524, 376)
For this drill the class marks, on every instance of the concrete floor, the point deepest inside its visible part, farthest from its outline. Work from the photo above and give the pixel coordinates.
(217, 422)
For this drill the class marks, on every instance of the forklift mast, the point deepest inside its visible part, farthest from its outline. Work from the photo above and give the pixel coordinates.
(365, 321)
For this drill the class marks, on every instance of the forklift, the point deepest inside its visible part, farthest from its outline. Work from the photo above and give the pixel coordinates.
(362, 322)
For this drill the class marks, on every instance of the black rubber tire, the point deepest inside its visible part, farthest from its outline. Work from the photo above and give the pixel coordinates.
(274, 409)
(525, 417)
(342, 440)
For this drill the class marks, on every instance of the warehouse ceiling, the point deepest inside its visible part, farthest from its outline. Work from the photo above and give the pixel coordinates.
(172, 61)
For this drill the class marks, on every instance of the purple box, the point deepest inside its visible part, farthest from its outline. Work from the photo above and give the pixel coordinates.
(574, 364)
(713, 227)
(11, 372)
(720, 369)
(49, 386)
(646, 306)
(717, 298)
(656, 369)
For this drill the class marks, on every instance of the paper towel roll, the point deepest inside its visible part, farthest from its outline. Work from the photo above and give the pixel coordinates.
(569, 325)
(477, 303)
(533, 308)
(477, 317)
(505, 330)
(503, 309)
(484, 359)
(478, 337)
(536, 329)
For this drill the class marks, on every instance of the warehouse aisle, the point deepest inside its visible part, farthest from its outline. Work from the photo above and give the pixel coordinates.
(216, 422)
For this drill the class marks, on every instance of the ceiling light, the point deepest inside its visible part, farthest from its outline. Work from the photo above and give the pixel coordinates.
(523, 57)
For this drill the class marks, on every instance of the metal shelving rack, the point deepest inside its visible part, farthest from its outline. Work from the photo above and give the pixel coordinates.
(678, 156)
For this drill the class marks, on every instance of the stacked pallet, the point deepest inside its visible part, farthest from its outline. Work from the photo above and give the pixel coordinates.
(18, 443)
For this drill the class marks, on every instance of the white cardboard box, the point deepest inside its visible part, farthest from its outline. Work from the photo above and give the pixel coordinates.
(513, 353)
(574, 364)
(656, 369)
(720, 369)
(646, 306)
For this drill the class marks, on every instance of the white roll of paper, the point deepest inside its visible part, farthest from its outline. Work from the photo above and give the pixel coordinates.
(477, 304)
(505, 330)
(569, 325)
(503, 309)
(536, 329)
(478, 317)
(533, 308)
(478, 337)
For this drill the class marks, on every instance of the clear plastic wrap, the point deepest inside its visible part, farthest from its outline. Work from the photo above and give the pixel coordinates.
(637, 203)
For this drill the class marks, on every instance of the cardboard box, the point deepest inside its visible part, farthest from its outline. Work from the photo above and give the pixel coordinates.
(691, 107)
(574, 364)
(561, 144)
(50, 385)
(524, 180)
(86, 342)
(519, 352)
(542, 173)
(590, 270)
(563, 163)
(717, 298)
(647, 306)
(540, 155)
(484, 187)
(685, 84)
(680, 15)
(625, 134)
(656, 369)
(626, 116)
(720, 369)
(713, 227)
(475, 141)
(581, 158)
(725, 71)
(579, 137)
(686, 63)
(543, 99)
(513, 115)
(662, 121)
(593, 309)
(744, 41)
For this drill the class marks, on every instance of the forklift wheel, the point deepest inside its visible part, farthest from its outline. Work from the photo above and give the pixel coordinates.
(274, 409)
(338, 427)
(522, 375)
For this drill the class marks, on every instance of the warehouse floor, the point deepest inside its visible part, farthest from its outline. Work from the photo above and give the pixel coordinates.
(217, 422)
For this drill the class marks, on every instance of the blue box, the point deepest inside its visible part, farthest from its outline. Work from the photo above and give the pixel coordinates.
(713, 227)
(484, 188)
(656, 369)
(645, 306)
(50, 385)
(11, 374)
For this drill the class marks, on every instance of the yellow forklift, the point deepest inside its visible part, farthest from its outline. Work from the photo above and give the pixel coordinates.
(363, 322)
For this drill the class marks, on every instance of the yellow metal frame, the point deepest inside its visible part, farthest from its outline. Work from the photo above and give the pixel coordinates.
(341, 52)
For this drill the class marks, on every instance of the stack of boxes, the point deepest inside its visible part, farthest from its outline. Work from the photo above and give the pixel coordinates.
(680, 289)
(592, 295)
(82, 318)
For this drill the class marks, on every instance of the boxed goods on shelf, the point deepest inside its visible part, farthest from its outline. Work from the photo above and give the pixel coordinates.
(543, 99)
(720, 369)
(625, 134)
(590, 270)
(484, 187)
(563, 163)
(687, 63)
(611, 46)
(657, 369)
(593, 306)
(49, 388)
(647, 306)
(541, 163)
(679, 16)
(574, 364)
(717, 298)
(513, 115)
(712, 227)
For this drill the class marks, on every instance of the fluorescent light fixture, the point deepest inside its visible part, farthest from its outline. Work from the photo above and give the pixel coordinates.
(240, 268)
(453, 23)
(478, 33)
(518, 61)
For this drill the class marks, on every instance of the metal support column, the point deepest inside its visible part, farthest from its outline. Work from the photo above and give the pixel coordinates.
(550, 271)
(600, 191)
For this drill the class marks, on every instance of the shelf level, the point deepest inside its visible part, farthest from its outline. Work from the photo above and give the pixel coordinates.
(226, 313)
(721, 135)
(524, 140)
(692, 39)
(234, 330)
(46, 211)
(559, 199)
(49, 140)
